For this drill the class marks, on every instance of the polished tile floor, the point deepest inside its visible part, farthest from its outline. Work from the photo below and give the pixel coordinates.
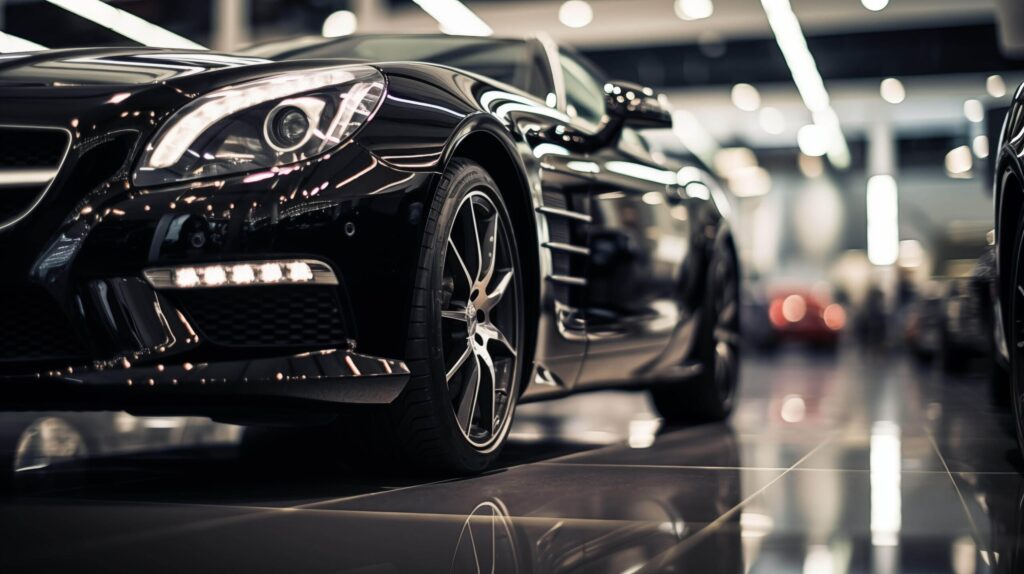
(832, 464)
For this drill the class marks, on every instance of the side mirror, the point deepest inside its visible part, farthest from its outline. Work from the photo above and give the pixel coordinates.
(637, 106)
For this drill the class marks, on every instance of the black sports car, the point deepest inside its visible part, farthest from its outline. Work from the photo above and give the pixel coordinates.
(398, 236)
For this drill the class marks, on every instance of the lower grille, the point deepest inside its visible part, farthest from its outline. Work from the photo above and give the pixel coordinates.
(33, 328)
(278, 316)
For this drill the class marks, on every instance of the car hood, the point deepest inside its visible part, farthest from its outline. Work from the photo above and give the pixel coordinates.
(112, 67)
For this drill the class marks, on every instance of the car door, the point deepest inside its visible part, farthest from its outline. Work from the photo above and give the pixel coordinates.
(638, 243)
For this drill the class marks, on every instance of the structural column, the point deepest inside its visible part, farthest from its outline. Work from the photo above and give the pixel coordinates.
(231, 24)
(370, 15)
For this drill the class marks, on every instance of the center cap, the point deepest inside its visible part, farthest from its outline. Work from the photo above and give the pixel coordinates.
(471, 318)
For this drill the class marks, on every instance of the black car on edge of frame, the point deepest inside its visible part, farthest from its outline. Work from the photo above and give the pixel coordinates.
(1008, 196)
(397, 236)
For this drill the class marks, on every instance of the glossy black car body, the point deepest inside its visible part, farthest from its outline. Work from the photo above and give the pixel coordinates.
(615, 246)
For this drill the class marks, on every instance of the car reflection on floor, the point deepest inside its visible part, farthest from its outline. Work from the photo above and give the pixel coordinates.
(843, 463)
(36, 441)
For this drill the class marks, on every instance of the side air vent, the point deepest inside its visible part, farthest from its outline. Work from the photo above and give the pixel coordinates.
(30, 158)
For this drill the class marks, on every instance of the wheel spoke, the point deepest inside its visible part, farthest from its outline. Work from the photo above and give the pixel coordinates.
(458, 363)
(494, 296)
(726, 335)
(476, 236)
(490, 331)
(462, 263)
(727, 314)
(454, 315)
(467, 402)
(489, 245)
(489, 404)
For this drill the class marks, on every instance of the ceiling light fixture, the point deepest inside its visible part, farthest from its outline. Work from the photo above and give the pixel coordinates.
(974, 111)
(575, 14)
(996, 86)
(126, 24)
(9, 43)
(893, 91)
(455, 18)
(959, 163)
(980, 146)
(790, 37)
(694, 9)
(746, 97)
(340, 23)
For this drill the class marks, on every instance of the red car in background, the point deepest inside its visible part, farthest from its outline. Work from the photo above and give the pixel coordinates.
(802, 316)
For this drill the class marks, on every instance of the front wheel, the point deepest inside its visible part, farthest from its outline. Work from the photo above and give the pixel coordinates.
(466, 331)
(710, 396)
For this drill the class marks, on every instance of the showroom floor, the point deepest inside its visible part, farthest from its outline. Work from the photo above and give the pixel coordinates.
(848, 463)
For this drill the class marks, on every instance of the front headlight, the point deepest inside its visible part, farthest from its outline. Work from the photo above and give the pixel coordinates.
(262, 124)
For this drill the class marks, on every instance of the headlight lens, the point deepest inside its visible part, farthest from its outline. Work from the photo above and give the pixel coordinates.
(263, 124)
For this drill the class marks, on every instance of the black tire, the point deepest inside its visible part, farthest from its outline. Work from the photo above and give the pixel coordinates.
(999, 385)
(710, 396)
(1016, 333)
(423, 427)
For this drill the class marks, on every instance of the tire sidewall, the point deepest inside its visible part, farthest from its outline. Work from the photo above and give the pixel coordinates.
(1016, 366)
(722, 254)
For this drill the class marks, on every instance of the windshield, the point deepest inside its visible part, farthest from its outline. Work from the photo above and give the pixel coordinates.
(514, 62)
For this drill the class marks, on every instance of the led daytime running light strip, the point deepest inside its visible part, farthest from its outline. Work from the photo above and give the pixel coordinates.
(242, 274)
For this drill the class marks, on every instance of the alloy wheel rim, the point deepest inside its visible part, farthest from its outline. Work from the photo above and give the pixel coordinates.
(480, 321)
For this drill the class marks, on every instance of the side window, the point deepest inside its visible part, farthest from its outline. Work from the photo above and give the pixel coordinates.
(584, 97)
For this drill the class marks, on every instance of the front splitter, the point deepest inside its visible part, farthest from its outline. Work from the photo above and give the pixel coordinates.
(326, 377)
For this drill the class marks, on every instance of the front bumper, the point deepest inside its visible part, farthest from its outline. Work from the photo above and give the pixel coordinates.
(84, 249)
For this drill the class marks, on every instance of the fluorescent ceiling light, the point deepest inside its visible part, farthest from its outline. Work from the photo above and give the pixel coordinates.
(793, 43)
(883, 220)
(9, 43)
(126, 24)
(455, 18)
(875, 5)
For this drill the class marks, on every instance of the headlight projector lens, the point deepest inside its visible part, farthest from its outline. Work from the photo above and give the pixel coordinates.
(287, 128)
